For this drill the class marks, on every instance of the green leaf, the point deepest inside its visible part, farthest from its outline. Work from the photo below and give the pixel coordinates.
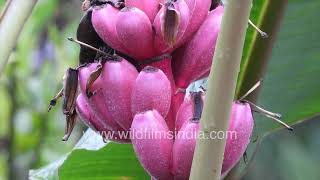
(91, 158)
(291, 84)
(257, 49)
(115, 161)
(291, 156)
(255, 16)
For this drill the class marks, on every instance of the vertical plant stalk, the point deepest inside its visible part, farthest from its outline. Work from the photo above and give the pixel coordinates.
(208, 157)
(12, 20)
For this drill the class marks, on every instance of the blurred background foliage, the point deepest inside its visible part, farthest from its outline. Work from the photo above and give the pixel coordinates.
(31, 138)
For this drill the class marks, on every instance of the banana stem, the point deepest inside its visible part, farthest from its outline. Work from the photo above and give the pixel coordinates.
(208, 157)
(12, 20)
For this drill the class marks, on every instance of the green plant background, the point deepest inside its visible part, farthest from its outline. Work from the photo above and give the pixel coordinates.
(291, 86)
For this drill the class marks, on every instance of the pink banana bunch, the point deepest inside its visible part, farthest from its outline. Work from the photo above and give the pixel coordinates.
(112, 92)
(120, 92)
(143, 29)
(128, 30)
(137, 58)
(174, 157)
(144, 97)
(241, 124)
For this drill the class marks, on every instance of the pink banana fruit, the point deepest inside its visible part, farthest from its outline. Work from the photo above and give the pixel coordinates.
(135, 32)
(164, 64)
(119, 78)
(153, 146)
(187, 125)
(152, 90)
(194, 59)
(87, 115)
(149, 7)
(170, 25)
(104, 22)
(97, 102)
(183, 150)
(112, 91)
(199, 10)
(128, 30)
(241, 123)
